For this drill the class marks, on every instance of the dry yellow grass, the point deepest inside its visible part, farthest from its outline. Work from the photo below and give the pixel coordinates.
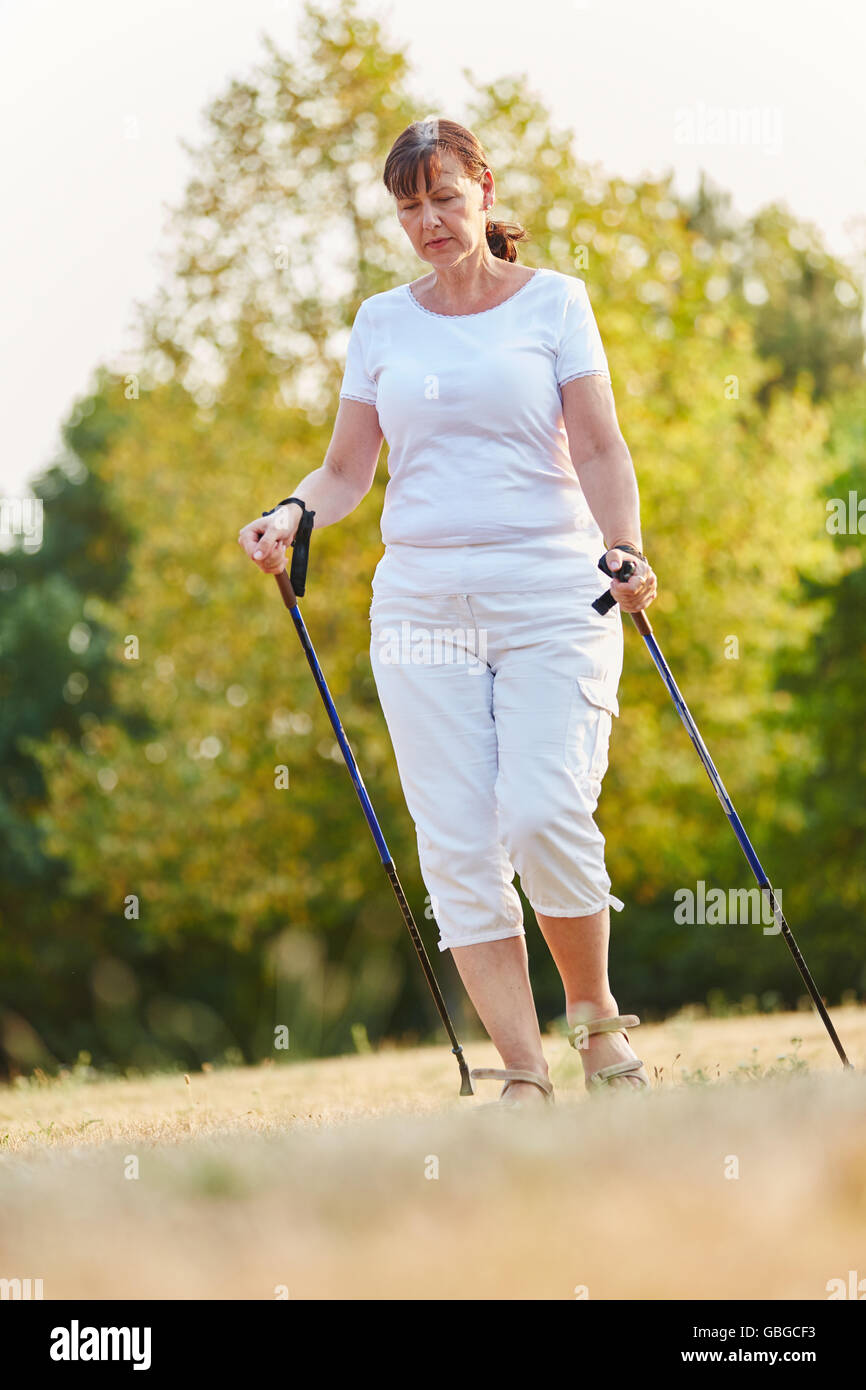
(319, 1177)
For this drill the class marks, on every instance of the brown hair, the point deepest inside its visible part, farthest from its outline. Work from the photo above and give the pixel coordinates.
(419, 144)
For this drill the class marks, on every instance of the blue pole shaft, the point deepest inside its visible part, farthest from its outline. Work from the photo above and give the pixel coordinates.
(642, 624)
(354, 770)
(290, 600)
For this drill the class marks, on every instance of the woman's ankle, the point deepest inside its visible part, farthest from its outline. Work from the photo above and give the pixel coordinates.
(519, 1062)
(583, 1010)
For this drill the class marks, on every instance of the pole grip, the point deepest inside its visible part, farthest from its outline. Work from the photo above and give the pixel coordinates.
(292, 583)
(605, 602)
(284, 584)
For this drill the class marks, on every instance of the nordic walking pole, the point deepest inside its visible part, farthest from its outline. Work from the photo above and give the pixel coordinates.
(641, 621)
(291, 587)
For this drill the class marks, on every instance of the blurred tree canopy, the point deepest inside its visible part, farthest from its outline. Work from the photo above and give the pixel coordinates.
(805, 306)
(214, 902)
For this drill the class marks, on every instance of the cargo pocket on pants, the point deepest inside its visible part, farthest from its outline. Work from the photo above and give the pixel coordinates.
(593, 705)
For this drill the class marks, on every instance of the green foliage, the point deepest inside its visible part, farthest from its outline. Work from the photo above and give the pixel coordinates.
(53, 667)
(786, 1065)
(825, 684)
(805, 305)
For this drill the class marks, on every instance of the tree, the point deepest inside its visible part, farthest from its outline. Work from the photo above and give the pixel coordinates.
(824, 861)
(805, 305)
(55, 683)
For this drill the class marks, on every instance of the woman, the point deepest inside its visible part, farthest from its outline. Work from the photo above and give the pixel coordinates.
(508, 477)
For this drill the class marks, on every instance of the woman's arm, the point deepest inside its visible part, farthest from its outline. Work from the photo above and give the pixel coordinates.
(331, 491)
(606, 473)
(601, 458)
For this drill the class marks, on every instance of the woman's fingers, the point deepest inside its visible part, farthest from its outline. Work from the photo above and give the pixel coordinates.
(639, 590)
(641, 601)
(250, 536)
(276, 562)
(268, 543)
(265, 544)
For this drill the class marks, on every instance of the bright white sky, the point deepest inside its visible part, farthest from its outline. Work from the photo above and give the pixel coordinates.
(84, 206)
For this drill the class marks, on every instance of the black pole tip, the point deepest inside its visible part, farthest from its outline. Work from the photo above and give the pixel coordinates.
(467, 1086)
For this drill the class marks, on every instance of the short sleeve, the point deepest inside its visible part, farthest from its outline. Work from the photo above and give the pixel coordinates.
(580, 351)
(358, 385)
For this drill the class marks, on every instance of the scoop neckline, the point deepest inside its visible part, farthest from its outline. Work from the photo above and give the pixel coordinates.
(477, 313)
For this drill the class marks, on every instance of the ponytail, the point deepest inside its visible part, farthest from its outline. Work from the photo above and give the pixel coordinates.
(502, 238)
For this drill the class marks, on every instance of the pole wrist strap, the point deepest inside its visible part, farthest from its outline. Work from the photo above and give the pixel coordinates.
(270, 510)
(625, 545)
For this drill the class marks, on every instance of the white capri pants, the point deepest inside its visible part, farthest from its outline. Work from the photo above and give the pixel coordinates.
(499, 707)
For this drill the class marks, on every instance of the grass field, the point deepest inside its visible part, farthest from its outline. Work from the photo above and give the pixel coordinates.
(368, 1177)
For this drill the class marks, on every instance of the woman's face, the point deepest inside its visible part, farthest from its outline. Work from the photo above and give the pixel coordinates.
(446, 222)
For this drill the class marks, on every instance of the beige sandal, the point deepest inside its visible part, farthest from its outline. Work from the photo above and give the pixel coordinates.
(632, 1067)
(508, 1076)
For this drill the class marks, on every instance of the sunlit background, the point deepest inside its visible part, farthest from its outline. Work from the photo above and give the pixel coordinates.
(100, 94)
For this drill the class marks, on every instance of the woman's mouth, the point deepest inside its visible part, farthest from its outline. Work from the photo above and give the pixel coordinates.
(440, 241)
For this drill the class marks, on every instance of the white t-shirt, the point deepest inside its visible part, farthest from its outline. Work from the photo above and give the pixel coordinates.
(482, 496)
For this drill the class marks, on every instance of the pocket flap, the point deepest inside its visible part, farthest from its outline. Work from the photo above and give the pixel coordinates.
(599, 692)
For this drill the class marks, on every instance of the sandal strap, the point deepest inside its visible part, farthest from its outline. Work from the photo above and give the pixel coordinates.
(617, 1024)
(628, 1068)
(510, 1074)
(613, 1025)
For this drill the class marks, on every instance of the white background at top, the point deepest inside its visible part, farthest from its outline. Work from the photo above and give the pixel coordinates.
(83, 204)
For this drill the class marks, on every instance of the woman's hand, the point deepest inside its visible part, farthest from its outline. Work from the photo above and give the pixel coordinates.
(640, 589)
(265, 539)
